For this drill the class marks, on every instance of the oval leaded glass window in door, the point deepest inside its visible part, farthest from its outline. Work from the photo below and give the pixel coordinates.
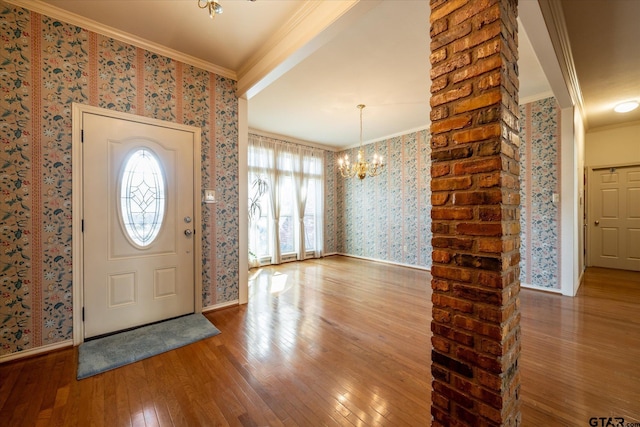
(142, 197)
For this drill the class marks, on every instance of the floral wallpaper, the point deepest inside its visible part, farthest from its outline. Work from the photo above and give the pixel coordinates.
(539, 179)
(388, 217)
(16, 177)
(45, 66)
(403, 191)
(330, 208)
(224, 164)
(116, 68)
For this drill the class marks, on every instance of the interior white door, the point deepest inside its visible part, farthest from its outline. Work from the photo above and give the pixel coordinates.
(138, 207)
(615, 218)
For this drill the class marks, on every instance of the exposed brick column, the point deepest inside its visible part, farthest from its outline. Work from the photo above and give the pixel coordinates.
(476, 315)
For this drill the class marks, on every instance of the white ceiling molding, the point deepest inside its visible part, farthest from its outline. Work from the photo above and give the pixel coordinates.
(537, 97)
(301, 65)
(88, 24)
(426, 127)
(532, 20)
(310, 28)
(635, 123)
(293, 140)
(559, 35)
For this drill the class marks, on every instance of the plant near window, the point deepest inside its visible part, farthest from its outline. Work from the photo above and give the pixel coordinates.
(259, 187)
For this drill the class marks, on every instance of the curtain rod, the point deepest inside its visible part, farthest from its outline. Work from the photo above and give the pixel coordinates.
(296, 142)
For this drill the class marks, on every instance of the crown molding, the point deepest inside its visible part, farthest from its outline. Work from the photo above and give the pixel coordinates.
(303, 14)
(291, 140)
(635, 123)
(424, 128)
(46, 9)
(554, 18)
(309, 28)
(536, 97)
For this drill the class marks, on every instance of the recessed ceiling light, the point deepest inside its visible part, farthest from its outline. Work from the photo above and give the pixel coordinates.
(625, 107)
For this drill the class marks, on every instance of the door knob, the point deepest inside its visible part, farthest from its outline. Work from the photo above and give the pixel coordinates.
(188, 232)
(597, 222)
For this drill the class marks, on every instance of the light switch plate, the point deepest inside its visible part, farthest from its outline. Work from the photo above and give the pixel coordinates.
(209, 195)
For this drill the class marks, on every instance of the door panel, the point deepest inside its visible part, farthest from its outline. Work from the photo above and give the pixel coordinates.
(633, 203)
(633, 248)
(138, 261)
(610, 205)
(609, 242)
(615, 218)
(122, 289)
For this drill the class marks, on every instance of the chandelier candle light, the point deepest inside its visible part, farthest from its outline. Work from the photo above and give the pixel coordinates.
(214, 7)
(361, 168)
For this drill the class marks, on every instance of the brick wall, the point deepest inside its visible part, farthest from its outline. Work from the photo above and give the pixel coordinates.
(475, 197)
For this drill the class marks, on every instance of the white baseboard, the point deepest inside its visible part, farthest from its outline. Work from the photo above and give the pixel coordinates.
(541, 288)
(221, 305)
(36, 351)
(384, 261)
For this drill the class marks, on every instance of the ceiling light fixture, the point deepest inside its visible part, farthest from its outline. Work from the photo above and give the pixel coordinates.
(362, 168)
(214, 7)
(625, 107)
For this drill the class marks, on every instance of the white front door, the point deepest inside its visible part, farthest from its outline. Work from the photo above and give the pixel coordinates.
(138, 204)
(614, 222)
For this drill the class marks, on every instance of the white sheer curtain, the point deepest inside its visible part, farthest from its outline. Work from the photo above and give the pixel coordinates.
(316, 169)
(258, 163)
(310, 178)
(273, 176)
(280, 162)
(283, 172)
(262, 158)
(301, 184)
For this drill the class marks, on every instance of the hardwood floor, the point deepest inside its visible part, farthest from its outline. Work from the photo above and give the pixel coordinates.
(580, 355)
(343, 342)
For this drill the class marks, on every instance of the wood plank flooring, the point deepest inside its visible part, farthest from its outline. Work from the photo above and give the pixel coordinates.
(343, 342)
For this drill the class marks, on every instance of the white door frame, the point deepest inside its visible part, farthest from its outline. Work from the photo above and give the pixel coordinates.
(589, 188)
(77, 265)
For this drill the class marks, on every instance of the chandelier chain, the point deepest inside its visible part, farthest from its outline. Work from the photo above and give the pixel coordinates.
(361, 107)
(361, 168)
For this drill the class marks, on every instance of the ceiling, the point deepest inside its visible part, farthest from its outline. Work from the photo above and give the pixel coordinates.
(304, 76)
(605, 45)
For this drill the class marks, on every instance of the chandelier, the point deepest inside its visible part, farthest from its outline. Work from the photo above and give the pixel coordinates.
(361, 168)
(214, 7)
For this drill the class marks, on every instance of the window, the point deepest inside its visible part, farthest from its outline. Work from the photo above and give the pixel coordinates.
(294, 177)
(313, 206)
(310, 218)
(142, 197)
(258, 217)
(287, 218)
